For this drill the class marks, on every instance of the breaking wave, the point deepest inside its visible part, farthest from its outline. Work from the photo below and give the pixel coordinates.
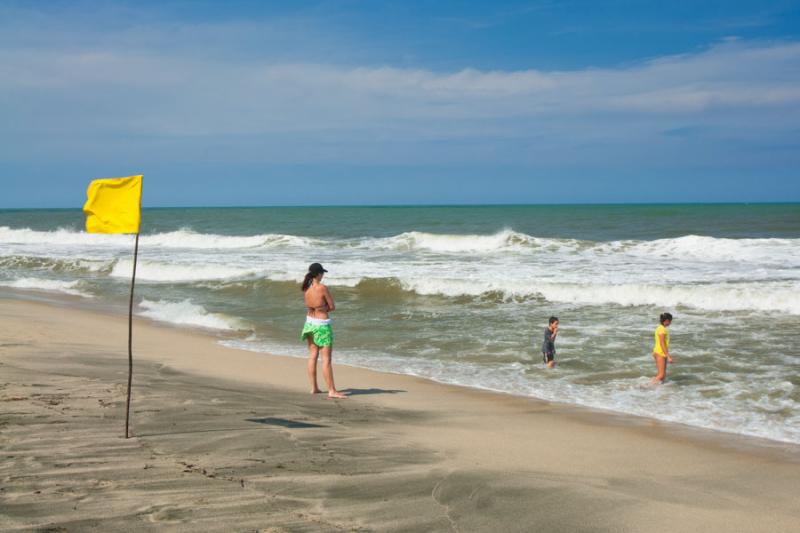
(689, 247)
(778, 296)
(186, 313)
(48, 285)
(180, 239)
(55, 265)
(169, 272)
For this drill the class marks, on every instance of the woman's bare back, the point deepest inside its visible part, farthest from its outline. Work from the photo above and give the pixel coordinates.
(318, 301)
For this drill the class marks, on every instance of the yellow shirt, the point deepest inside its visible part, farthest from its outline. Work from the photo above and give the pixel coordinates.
(661, 330)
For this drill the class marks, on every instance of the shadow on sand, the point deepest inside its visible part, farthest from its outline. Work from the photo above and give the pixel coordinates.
(284, 423)
(281, 422)
(357, 392)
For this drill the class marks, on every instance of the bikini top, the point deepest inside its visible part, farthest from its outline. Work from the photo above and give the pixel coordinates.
(323, 308)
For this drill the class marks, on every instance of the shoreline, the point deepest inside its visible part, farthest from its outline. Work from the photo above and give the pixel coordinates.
(223, 436)
(220, 337)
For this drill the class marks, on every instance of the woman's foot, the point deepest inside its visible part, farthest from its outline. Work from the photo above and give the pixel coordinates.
(315, 391)
(336, 395)
(656, 381)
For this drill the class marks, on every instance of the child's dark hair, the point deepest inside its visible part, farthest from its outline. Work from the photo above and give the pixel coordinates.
(553, 319)
(664, 317)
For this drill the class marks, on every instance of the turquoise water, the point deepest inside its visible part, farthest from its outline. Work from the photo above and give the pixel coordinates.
(587, 222)
(462, 294)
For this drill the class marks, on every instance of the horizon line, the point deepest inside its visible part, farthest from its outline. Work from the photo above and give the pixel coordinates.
(301, 206)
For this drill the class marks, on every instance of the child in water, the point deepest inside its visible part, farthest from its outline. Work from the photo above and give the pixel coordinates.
(549, 344)
(661, 349)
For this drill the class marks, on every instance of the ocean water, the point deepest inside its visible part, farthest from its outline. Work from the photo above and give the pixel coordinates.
(462, 294)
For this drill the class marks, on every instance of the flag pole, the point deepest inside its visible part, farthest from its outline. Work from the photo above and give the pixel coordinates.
(130, 339)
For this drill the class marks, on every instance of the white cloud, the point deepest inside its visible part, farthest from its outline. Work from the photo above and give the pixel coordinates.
(127, 97)
(247, 97)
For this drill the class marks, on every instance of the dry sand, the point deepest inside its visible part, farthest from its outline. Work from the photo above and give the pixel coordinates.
(228, 440)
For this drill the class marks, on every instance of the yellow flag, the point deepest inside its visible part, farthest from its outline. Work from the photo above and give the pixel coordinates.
(113, 205)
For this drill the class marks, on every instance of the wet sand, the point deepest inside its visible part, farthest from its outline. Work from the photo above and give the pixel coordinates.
(228, 440)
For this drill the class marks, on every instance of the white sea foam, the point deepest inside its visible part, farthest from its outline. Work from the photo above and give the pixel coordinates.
(61, 237)
(171, 272)
(701, 248)
(765, 296)
(95, 265)
(49, 285)
(700, 272)
(186, 313)
(442, 243)
(762, 296)
(689, 247)
(205, 241)
(694, 247)
(180, 239)
(23, 262)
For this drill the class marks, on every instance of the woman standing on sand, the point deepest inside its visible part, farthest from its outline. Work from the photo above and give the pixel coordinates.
(317, 330)
(661, 348)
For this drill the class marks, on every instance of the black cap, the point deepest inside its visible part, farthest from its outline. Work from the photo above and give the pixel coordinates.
(316, 268)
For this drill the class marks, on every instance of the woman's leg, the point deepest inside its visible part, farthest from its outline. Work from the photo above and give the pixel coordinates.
(327, 372)
(661, 369)
(313, 353)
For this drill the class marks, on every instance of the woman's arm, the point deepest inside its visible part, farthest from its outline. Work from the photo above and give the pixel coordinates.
(663, 343)
(329, 300)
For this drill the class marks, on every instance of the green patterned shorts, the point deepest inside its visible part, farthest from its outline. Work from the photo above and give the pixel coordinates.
(320, 332)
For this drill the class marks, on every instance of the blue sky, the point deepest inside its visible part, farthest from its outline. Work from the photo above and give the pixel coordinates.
(309, 103)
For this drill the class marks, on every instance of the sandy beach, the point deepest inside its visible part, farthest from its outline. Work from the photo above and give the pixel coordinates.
(230, 440)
